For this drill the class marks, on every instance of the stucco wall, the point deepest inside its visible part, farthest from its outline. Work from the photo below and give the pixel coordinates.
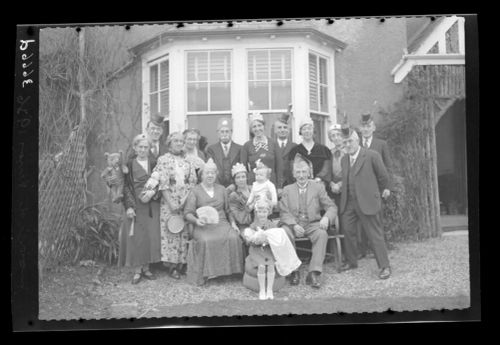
(363, 68)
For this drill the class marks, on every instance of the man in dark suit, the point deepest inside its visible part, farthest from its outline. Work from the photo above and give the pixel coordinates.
(365, 182)
(154, 132)
(225, 153)
(300, 215)
(367, 140)
(285, 145)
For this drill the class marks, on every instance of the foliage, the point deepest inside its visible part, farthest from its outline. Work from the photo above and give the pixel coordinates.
(403, 127)
(95, 235)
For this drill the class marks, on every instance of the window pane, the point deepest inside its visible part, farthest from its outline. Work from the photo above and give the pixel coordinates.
(258, 94)
(281, 64)
(281, 94)
(323, 99)
(220, 66)
(153, 78)
(313, 68)
(164, 104)
(313, 96)
(220, 96)
(207, 124)
(258, 65)
(197, 97)
(153, 103)
(164, 75)
(322, 71)
(197, 66)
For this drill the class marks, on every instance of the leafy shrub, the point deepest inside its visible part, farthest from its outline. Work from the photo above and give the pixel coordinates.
(95, 235)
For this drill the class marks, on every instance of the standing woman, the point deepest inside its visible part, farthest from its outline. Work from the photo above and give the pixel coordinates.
(193, 153)
(140, 232)
(264, 149)
(175, 176)
(319, 155)
(216, 249)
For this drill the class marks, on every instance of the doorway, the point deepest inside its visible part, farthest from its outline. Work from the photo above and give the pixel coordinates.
(452, 160)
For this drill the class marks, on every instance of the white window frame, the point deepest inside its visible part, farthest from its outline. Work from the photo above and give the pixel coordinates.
(318, 84)
(158, 62)
(269, 80)
(187, 82)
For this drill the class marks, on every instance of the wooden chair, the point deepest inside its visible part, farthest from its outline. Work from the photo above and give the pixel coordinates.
(335, 248)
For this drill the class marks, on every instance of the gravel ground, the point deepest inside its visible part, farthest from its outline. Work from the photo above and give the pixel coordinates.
(426, 275)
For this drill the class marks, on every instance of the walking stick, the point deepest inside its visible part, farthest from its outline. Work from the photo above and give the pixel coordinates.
(131, 232)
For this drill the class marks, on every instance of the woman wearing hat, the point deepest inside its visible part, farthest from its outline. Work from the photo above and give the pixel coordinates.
(238, 198)
(175, 176)
(261, 148)
(319, 155)
(140, 232)
(216, 249)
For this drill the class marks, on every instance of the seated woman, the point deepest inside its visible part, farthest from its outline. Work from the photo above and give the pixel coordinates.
(140, 232)
(216, 249)
(270, 252)
(238, 198)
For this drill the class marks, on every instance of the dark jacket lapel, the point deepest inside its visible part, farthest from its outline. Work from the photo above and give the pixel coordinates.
(360, 160)
(233, 151)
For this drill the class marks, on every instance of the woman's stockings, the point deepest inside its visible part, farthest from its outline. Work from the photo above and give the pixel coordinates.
(261, 277)
(270, 281)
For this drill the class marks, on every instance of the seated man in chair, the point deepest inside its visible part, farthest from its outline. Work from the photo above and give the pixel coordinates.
(300, 207)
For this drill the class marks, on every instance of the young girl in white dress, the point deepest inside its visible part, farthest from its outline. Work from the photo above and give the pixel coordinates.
(262, 187)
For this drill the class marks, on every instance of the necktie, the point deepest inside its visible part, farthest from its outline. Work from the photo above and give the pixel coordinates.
(155, 150)
(225, 150)
(337, 154)
(352, 159)
(282, 144)
(366, 143)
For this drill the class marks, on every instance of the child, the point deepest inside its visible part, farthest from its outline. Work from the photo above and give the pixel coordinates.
(270, 248)
(262, 187)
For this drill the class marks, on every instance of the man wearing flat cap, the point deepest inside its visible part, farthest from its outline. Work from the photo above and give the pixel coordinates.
(365, 182)
(285, 145)
(224, 153)
(300, 215)
(367, 128)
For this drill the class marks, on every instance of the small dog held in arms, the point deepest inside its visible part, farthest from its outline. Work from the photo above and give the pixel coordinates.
(114, 175)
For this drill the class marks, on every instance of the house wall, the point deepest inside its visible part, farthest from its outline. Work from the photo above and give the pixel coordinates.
(362, 75)
(363, 68)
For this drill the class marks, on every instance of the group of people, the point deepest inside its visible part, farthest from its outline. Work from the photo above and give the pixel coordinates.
(262, 196)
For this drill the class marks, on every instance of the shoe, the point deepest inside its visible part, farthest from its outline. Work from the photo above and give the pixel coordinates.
(313, 279)
(385, 273)
(295, 278)
(175, 274)
(148, 275)
(347, 267)
(136, 279)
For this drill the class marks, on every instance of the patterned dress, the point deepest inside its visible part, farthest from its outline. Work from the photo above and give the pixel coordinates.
(177, 177)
